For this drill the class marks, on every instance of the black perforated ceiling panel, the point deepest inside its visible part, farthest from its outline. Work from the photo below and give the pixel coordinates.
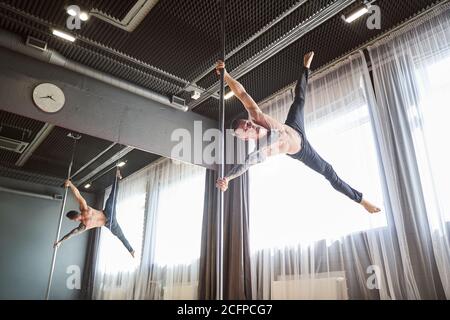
(51, 9)
(8, 122)
(181, 38)
(52, 157)
(298, 16)
(330, 41)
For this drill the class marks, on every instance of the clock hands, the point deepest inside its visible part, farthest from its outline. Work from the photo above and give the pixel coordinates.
(48, 97)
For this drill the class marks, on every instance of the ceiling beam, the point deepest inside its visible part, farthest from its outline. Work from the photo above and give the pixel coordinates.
(116, 157)
(93, 159)
(87, 41)
(132, 20)
(253, 38)
(37, 141)
(97, 109)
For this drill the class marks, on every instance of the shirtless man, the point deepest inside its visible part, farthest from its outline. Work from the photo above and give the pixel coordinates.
(90, 218)
(277, 138)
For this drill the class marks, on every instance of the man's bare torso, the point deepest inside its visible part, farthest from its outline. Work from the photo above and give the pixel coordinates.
(93, 218)
(289, 141)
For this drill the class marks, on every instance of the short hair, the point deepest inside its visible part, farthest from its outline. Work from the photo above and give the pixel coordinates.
(235, 124)
(72, 214)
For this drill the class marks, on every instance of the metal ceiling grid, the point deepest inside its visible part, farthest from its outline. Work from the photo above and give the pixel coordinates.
(51, 9)
(9, 158)
(136, 160)
(300, 15)
(12, 173)
(52, 157)
(330, 41)
(92, 53)
(106, 156)
(189, 29)
(48, 164)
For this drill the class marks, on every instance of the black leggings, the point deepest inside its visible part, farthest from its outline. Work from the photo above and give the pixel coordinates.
(307, 155)
(111, 221)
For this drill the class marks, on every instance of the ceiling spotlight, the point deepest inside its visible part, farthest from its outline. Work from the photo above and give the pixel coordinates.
(87, 185)
(84, 16)
(64, 35)
(71, 11)
(229, 95)
(356, 14)
(196, 95)
(121, 164)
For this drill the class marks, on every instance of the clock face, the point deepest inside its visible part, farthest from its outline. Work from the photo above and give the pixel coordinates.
(49, 98)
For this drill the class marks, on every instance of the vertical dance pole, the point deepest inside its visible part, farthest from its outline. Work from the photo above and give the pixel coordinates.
(220, 224)
(75, 138)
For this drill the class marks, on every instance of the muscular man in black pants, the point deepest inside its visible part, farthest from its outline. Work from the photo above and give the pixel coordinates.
(90, 218)
(277, 138)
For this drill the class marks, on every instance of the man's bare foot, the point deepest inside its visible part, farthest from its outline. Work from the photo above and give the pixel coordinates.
(308, 59)
(370, 207)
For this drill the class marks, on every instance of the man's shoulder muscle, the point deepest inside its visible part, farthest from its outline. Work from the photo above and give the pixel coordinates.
(267, 121)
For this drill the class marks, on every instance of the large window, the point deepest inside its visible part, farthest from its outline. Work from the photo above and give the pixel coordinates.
(179, 226)
(434, 86)
(290, 203)
(160, 210)
(385, 135)
(113, 256)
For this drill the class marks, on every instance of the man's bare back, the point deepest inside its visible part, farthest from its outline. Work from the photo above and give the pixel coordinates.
(92, 218)
(89, 217)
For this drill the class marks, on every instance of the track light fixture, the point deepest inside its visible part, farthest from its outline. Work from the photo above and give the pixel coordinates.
(356, 13)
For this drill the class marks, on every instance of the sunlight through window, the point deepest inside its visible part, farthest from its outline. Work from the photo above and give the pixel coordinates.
(291, 204)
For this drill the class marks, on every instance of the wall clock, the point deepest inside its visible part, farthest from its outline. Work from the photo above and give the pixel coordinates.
(49, 98)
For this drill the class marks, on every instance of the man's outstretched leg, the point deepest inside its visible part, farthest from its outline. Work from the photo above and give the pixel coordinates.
(110, 206)
(117, 231)
(296, 115)
(308, 155)
(313, 160)
(110, 213)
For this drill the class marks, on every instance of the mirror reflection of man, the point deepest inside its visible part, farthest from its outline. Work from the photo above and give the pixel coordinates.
(91, 218)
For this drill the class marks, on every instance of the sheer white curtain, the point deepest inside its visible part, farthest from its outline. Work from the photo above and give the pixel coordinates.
(411, 72)
(160, 210)
(115, 268)
(173, 232)
(300, 227)
(310, 242)
(338, 126)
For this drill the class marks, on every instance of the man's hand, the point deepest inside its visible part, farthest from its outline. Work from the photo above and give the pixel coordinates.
(67, 184)
(220, 66)
(132, 253)
(118, 174)
(222, 184)
(307, 60)
(57, 244)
